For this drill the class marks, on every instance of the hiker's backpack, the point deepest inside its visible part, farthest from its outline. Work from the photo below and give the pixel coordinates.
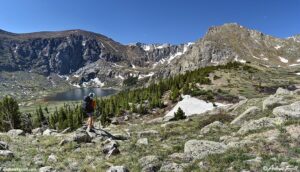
(87, 104)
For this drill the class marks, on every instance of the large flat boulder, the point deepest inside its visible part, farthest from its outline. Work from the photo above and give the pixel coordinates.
(201, 148)
(16, 132)
(262, 123)
(81, 137)
(273, 101)
(288, 111)
(282, 91)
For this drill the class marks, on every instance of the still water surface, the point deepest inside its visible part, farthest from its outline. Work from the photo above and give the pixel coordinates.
(79, 93)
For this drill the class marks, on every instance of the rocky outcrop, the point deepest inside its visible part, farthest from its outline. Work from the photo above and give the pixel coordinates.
(273, 101)
(261, 123)
(142, 141)
(200, 148)
(49, 132)
(150, 163)
(81, 137)
(288, 111)
(16, 132)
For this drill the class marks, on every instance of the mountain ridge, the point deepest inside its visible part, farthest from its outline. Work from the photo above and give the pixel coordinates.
(91, 55)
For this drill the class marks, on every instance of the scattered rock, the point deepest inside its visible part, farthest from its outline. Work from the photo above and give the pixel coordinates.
(203, 166)
(270, 135)
(3, 146)
(288, 111)
(81, 137)
(73, 166)
(215, 126)
(149, 133)
(113, 151)
(111, 148)
(240, 144)
(201, 148)
(117, 169)
(52, 158)
(47, 169)
(49, 132)
(282, 91)
(16, 132)
(38, 160)
(114, 121)
(142, 141)
(254, 163)
(261, 123)
(126, 118)
(182, 157)
(293, 131)
(7, 154)
(273, 101)
(37, 131)
(251, 112)
(226, 139)
(296, 92)
(150, 163)
(172, 167)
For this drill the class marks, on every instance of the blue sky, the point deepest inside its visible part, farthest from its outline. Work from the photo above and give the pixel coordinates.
(150, 21)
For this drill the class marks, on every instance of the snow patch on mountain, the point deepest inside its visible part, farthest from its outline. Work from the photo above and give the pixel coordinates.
(283, 60)
(93, 82)
(145, 76)
(239, 60)
(277, 47)
(191, 106)
(119, 76)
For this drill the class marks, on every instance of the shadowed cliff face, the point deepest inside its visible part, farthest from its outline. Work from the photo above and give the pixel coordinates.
(62, 52)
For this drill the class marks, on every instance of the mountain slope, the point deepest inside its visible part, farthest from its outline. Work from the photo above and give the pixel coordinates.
(84, 56)
(232, 42)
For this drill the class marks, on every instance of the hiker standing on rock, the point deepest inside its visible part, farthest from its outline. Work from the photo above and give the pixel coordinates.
(89, 105)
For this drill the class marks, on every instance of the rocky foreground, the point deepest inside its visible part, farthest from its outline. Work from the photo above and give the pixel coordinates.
(260, 134)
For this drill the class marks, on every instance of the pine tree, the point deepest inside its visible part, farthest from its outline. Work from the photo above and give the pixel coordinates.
(9, 114)
(179, 115)
(39, 117)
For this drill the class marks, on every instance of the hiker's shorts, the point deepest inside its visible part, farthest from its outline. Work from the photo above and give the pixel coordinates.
(90, 114)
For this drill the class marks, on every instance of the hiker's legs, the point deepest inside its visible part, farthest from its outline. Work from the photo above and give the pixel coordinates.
(88, 121)
(92, 123)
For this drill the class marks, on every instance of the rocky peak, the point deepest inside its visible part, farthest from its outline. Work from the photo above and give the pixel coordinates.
(295, 38)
